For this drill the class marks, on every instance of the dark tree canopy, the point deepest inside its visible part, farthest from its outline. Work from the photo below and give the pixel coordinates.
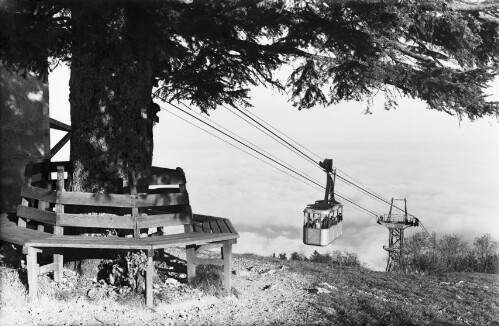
(208, 53)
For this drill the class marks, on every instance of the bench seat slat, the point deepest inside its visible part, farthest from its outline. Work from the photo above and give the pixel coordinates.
(214, 227)
(196, 240)
(204, 218)
(171, 240)
(163, 220)
(223, 226)
(206, 227)
(12, 233)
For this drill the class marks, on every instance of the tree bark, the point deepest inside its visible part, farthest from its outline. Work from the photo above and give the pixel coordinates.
(110, 95)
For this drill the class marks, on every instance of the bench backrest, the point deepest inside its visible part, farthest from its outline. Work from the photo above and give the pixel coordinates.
(157, 201)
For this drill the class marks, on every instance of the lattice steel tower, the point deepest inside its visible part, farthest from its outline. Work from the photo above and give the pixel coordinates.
(396, 224)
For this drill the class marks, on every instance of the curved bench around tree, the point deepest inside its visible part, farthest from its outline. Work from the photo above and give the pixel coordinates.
(158, 202)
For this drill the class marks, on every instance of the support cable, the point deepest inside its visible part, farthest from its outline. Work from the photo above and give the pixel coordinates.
(283, 134)
(315, 185)
(247, 141)
(273, 133)
(279, 140)
(364, 189)
(242, 143)
(274, 159)
(241, 149)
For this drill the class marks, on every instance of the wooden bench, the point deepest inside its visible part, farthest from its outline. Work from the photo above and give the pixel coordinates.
(46, 204)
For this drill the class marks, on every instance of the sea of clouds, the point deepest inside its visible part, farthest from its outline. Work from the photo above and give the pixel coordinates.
(446, 168)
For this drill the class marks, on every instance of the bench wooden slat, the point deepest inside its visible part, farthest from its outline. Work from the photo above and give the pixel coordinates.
(230, 226)
(39, 167)
(36, 214)
(163, 176)
(198, 227)
(169, 219)
(169, 199)
(88, 199)
(204, 218)
(206, 227)
(92, 221)
(19, 235)
(214, 227)
(38, 193)
(194, 238)
(223, 227)
(171, 240)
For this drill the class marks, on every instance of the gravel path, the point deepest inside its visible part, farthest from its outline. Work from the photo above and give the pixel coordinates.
(265, 292)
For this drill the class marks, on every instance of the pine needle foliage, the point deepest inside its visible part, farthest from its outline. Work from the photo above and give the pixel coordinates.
(208, 53)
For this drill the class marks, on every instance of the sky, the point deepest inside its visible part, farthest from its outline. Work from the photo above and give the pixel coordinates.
(446, 168)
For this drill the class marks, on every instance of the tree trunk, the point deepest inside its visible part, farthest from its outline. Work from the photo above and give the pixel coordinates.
(110, 95)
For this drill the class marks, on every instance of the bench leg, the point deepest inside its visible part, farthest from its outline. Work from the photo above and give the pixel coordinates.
(32, 267)
(227, 257)
(149, 277)
(58, 270)
(190, 252)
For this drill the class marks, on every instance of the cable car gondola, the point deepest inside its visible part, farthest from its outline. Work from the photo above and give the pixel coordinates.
(323, 219)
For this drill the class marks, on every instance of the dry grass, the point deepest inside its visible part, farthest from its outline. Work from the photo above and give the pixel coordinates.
(209, 280)
(358, 297)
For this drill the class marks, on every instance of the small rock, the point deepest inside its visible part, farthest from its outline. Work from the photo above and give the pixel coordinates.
(243, 273)
(267, 272)
(324, 288)
(171, 282)
(267, 287)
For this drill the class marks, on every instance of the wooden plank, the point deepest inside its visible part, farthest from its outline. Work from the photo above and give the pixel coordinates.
(170, 219)
(204, 218)
(60, 144)
(90, 242)
(132, 181)
(58, 125)
(163, 190)
(58, 269)
(223, 227)
(38, 193)
(230, 226)
(65, 164)
(214, 226)
(143, 200)
(149, 277)
(199, 240)
(91, 199)
(227, 257)
(32, 267)
(20, 235)
(163, 176)
(198, 227)
(190, 253)
(101, 221)
(47, 268)
(209, 261)
(209, 246)
(36, 214)
(206, 227)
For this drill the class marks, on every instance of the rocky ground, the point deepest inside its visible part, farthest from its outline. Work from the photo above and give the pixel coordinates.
(266, 291)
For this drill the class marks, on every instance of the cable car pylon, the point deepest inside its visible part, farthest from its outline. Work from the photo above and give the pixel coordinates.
(396, 224)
